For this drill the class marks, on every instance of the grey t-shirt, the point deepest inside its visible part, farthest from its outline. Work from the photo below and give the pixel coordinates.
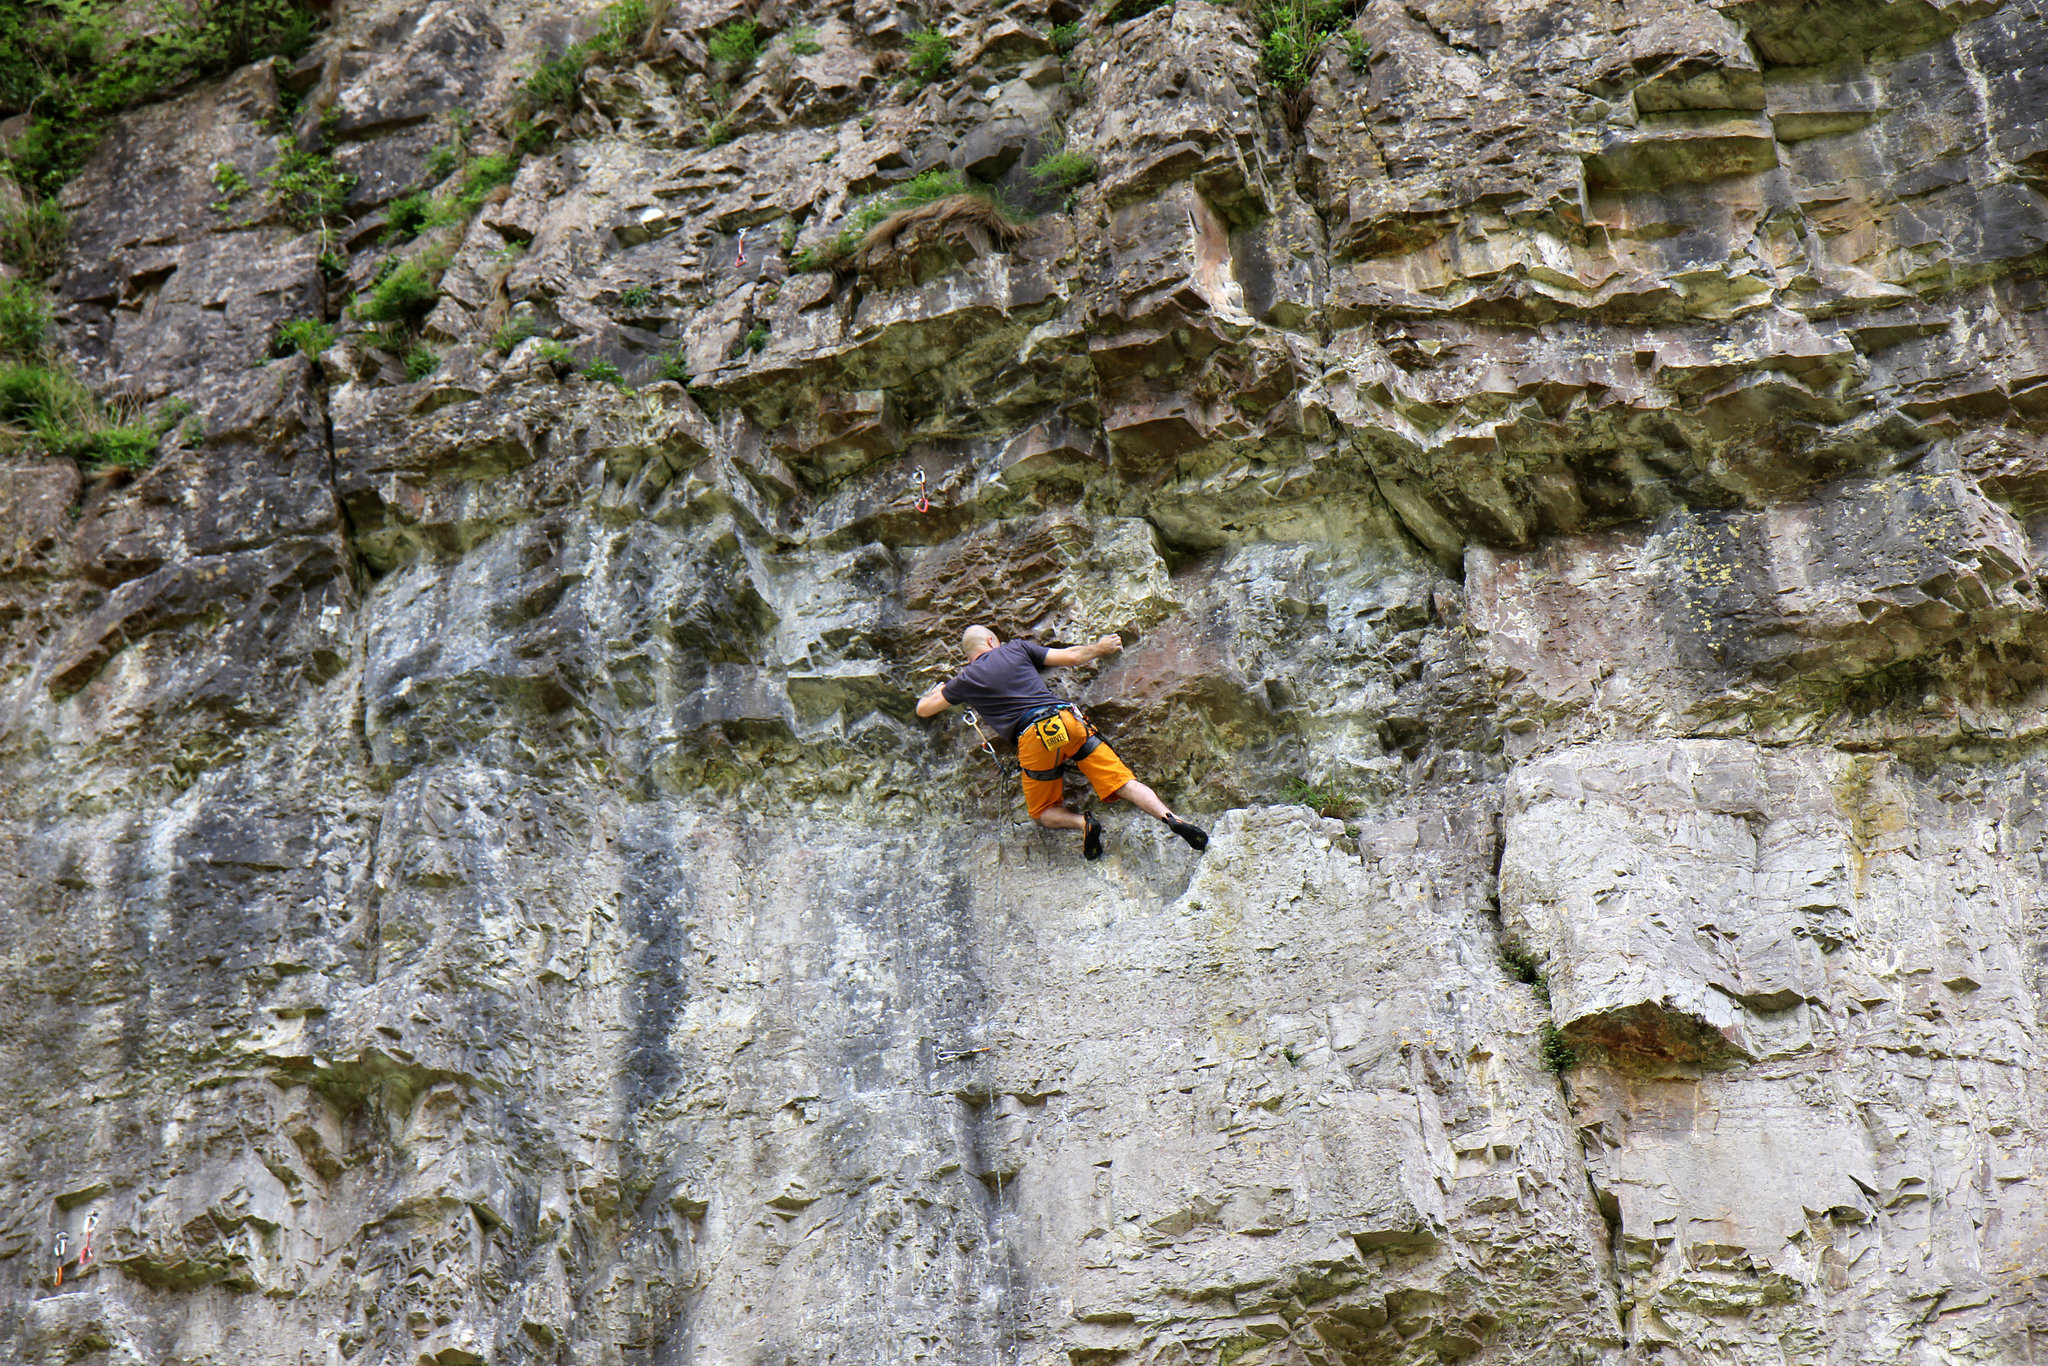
(1003, 685)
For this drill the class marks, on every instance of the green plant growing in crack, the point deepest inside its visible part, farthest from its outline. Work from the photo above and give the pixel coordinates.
(1557, 1051)
(420, 362)
(230, 184)
(1525, 967)
(1331, 801)
(734, 46)
(803, 41)
(931, 57)
(1291, 37)
(307, 336)
(1064, 169)
(638, 298)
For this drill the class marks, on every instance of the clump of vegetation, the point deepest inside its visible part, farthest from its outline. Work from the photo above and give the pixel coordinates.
(716, 132)
(1517, 962)
(673, 366)
(409, 215)
(1292, 34)
(1331, 801)
(306, 188)
(734, 46)
(756, 339)
(1558, 1053)
(24, 319)
(803, 41)
(32, 237)
(515, 330)
(931, 57)
(307, 336)
(920, 191)
(1063, 170)
(638, 298)
(420, 362)
(555, 354)
(556, 83)
(1357, 51)
(404, 294)
(604, 372)
(1066, 37)
(230, 184)
(45, 405)
(441, 163)
(49, 407)
(71, 65)
(406, 215)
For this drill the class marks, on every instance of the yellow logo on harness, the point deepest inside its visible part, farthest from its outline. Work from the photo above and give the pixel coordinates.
(1052, 732)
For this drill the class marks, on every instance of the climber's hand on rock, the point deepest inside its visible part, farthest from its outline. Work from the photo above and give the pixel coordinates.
(1108, 645)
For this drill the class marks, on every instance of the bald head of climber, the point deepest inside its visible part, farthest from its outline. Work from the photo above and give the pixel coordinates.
(978, 641)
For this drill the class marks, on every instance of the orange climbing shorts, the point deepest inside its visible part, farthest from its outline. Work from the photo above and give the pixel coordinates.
(1052, 740)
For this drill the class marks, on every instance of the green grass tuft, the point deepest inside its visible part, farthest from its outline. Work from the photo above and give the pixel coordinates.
(1331, 801)
(420, 362)
(1064, 170)
(604, 372)
(734, 46)
(1292, 34)
(931, 56)
(307, 336)
(1557, 1051)
(803, 41)
(405, 294)
(32, 237)
(24, 320)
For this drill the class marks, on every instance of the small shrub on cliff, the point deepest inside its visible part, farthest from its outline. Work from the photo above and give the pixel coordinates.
(1066, 37)
(420, 362)
(803, 41)
(24, 319)
(306, 188)
(1292, 34)
(931, 56)
(1517, 962)
(734, 46)
(70, 66)
(53, 410)
(307, 336)
(1063, 170)
(1332, 801)
(516, 330)
(1558, 1053)
(405, 294)
(32, 237)
(604, 372)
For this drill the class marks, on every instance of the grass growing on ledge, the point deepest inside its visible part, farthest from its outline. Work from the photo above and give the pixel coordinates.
(1332, 801)
(1063, 170)
(920, 191)
(931, 56)
(1292, 34)
(307, 336)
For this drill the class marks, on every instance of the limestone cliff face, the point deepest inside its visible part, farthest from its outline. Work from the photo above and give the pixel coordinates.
(473, 888)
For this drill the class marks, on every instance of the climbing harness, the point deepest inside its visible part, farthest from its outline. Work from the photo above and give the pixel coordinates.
(63, 1241)
(924, 502)
(1053, 734)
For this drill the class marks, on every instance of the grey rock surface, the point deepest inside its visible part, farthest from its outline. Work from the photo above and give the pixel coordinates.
(474, 889)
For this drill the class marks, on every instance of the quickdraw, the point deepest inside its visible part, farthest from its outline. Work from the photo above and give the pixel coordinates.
(92, 1221)
(924, 502)
(63, 1241)
(988, 746)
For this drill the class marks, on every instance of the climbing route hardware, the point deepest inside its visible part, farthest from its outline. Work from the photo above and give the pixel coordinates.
(924, 502)
(63, 1242)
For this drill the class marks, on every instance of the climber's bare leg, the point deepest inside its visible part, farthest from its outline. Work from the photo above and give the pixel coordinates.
(1142, 797)
(1059, 818)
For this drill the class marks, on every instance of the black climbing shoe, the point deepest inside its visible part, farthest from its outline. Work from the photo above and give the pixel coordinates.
(1196, 837)
(1091, 842)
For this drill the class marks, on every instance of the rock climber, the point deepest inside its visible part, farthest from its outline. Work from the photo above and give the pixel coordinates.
(1002, 683)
